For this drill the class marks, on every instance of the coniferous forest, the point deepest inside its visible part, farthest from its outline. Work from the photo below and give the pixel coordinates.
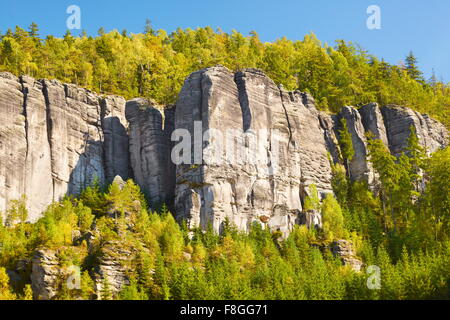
(403, 226)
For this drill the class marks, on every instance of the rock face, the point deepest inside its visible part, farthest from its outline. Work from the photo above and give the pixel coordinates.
(344, 250)
(46, 275)
(359, 167)
(111, 270)
(262, 147)
(399, 120)
(150, 149)
(56, 139)
(236, 146)
(373, 122)
(311, 219)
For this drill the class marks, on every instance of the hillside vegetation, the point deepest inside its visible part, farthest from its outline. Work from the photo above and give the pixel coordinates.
(403, 229)
(154, 65)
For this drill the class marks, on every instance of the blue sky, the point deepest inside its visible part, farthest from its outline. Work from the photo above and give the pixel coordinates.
(417, 25)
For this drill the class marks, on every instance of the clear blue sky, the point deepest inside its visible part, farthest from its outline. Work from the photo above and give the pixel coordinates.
(418, 25)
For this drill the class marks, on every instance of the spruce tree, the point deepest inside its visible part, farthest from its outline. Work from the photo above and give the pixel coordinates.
(412, 69)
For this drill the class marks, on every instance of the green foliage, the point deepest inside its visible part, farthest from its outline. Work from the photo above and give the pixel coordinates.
(17, 211)
(333, 218)
(154, 65)
(345, 142)
(166, 260)
(312, 201)
(5, 291)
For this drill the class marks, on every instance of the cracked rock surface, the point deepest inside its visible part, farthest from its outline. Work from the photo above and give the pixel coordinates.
(56, 139)
(255, 148)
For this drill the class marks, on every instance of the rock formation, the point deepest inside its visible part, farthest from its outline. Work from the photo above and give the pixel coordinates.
(236, 146)
(344, 250)
(399, 120)
(359, 167)
(262, 148)
(47, 274)
(56, 139)
(111, 269)
(150, 149)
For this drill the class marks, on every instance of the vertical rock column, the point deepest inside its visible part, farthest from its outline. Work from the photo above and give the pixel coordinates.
(116, 142)
(76, 138)
(13, 140)
(150, 149)
(279, 149)
(39, 182)
(399, 120)
(360, 168)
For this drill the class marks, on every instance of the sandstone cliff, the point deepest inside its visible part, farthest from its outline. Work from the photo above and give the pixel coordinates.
(253, 148)
(56, 139)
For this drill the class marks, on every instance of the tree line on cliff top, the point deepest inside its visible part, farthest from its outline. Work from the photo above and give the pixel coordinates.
(154, 64)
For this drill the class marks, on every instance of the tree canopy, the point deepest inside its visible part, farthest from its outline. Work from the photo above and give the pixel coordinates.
(154, 65)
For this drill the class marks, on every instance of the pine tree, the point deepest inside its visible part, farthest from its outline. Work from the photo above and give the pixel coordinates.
(34, 31)
(412, 68)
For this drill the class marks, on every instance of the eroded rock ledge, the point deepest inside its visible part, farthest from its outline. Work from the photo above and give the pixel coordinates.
(57, 138)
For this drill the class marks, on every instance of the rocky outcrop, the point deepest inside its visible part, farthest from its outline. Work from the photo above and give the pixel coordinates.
(13, 140)
(150, 149)
(112, 268)
(312, 219)
(359, 168)
(236, 146)
(344, 250)
(56, 139)
(262, 148)
(399, 120)
(47, 275)
(373, 122)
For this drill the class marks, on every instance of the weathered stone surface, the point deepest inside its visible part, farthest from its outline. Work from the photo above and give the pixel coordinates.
(373, 122)
(360, 169)
(46, 274)
(112, 269)
(116, 142)
(344, 250)
(255, 148)
(39, 182)
(75, 137)
(150, 149)
(13, 140)
(278, 138)
(56, 139)
(311, 219)
(399, 120)
(328, 125)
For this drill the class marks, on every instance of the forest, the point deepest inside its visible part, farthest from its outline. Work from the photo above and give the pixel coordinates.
(154, 64)
(402, 227)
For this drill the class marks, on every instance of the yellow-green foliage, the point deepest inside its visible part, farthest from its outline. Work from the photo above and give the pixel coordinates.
(155, 64)
(165, 260)
(332, 218)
